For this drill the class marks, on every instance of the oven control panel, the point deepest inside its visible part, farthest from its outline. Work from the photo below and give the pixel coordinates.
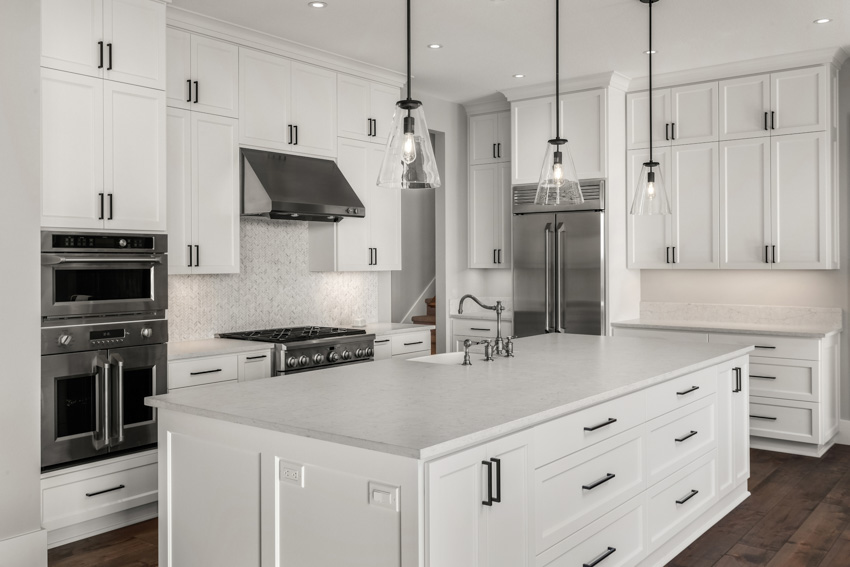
(80, 338)
(313, 355)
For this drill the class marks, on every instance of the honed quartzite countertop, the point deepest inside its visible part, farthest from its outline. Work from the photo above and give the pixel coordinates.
(422, 410)
(212, 347)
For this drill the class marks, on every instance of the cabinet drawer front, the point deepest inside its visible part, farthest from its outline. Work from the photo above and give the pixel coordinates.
(676, 501)
(784, 419)
(622, 531)
(673, 394)
(255, 365)
(480, 328)
(787, 380)
(197, 371)
(675, 439)
(573, 491)
(411, 342)
(574, 432)
(771, 347)
(68, 504)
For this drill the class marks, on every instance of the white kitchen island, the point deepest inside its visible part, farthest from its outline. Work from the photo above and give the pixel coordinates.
(576, 447)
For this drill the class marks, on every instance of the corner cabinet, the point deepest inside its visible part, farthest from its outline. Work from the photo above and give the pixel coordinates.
(368, 244)
(490, 216)
(203, 193)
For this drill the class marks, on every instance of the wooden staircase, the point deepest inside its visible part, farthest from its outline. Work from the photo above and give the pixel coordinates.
(430, 318)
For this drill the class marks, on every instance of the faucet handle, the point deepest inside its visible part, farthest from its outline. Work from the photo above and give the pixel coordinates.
(488, 351)
(509, 346)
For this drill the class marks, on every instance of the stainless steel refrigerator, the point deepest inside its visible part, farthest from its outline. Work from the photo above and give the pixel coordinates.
(559, 263)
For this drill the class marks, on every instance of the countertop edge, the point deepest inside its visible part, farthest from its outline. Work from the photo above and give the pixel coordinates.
(696, 327)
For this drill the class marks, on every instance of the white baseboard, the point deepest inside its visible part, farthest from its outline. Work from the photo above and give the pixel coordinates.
(28, 550)
(791, 447)
(100, 525)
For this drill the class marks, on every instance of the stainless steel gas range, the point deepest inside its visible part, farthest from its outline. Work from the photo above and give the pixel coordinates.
(300, 349)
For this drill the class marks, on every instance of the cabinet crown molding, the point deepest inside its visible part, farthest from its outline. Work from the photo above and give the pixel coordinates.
(495, 103)
(611, 79)
(246, 37)
(828, 56)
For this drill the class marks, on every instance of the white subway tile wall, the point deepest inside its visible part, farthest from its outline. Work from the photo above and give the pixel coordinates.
(274, 289)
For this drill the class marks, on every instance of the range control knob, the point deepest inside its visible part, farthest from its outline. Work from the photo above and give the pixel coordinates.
(147, 332)
(303, 361)
(359, 353)
(333, 357)
(291, 362)
(370, 352)
(318, 358)
(346, 355)
(122, 243)
(64, 340)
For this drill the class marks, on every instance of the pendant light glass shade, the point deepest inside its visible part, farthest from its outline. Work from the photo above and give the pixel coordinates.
(559, 183)
(650, 194)
(409, 161)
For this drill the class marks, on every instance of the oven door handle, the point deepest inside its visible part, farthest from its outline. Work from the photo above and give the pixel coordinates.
(119, 401)
(52, 259)
(100, 438)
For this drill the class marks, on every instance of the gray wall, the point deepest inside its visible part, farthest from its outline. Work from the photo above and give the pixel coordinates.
(418, 246)
(20, 381)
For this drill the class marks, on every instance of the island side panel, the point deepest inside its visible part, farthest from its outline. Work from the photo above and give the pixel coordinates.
(274, 499)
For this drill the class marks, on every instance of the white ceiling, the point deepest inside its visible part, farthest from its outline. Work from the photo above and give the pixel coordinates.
(487, 41)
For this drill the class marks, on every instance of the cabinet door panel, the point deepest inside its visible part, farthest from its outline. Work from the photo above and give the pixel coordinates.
(134, 157)
(583, 116)
(637, 128)
(178, 48)
(743, 104)
(353, 106)
(484, 209)
(800, 100)
(799, 180)
(353, 238)
(136, 30)
(70, 30)
(215, 67)
(745, 204)
(263, 99)
(648, 235)
(532, 123)
(71, 150)
(215, 190)
(508, 521)
(383, 99)
(179, 189)
(695, 206)
(313, 106)
(741, 424)
(384, 214)
(503, 217)
(504, 137)
(694, 114)
(483, 138)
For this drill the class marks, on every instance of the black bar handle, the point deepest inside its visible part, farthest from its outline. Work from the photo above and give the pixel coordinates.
(500, 250)
(772, 120)
(197, 255)
(499, 148)
(768, 418)
(601, 425)
(667, 256)
(494, 151)
(494, 256)
(110, 208)
(258, 357)
(600, 558)
(374, 127)
(673, 131)
(688, 497)
(296, 134)
(675, 261)
(109, 48)
(189, 82)
(479, 329)
(765, 121)
(189, 246)
(763, 377)
(766, 252)
(416, 343)
(489, 501)
(101, 207)
(774, 254)
(688, 391)
(382, 341)
(666, 128)
(599, 482)
(498, 462)
(290, 136)
(376, 250)
(100, 46)
(369, 126)
(737, 387)
(686, 437)
(765, 347)
(113, 489)
(197, 90)
(205, 372)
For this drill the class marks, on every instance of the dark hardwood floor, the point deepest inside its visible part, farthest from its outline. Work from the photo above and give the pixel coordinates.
(798, 516)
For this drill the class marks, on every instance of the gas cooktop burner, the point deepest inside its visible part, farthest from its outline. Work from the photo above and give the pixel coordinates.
(293, 334)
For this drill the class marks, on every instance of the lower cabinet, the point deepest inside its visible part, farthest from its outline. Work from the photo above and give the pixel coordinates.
(403, 345)
(206, 370)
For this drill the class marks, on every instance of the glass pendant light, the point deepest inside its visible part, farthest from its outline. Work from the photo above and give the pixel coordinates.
(409, 161)
(558, 179)
(650, 194)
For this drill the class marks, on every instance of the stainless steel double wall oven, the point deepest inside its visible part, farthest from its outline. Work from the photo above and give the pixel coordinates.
(103, 343)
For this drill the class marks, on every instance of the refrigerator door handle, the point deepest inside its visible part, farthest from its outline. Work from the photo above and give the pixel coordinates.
(548, 279)
(560, 244)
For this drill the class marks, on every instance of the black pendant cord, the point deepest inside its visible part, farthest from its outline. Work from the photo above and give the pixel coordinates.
(408, 50)
(557, 70)
(650, 82)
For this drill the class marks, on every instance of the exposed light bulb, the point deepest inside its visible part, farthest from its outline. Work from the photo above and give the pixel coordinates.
(408, 151)
(650, 190)
(558, 174)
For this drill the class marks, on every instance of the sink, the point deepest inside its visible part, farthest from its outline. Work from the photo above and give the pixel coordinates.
(448, 358)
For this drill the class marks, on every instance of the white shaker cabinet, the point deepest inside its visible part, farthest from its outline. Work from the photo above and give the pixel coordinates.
(648, 235)
(532, 124)
(313, 109)
(745, 107)
(490, 216)
(733, 456)
(364, 109)
(637, 124)
(681, 115)
(203, 193)
(119, 40)
(489, 138)
(203, 74)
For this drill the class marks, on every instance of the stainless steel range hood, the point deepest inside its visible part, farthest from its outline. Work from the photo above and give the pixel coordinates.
(290, 187)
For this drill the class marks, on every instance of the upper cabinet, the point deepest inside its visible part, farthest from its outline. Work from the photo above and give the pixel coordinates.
(203, 74)
(680, 115)
(532, 124)
(365, 109)
(286, 105)
(490, 216)
(119, 40)
(490, 138)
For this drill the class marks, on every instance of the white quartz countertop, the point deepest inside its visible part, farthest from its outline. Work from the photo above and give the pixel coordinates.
(396, 328)
(212, 347)
(422, 410)
(805, 330)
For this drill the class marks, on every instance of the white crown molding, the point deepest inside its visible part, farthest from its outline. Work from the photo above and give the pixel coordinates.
(486, 105)
(218, 29)
(611, 79)
(833, 56)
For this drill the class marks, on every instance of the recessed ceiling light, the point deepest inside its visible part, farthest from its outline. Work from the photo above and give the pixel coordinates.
(519, 76)
(822, 21)
(435, 45)
(652, 52)
(317, 4)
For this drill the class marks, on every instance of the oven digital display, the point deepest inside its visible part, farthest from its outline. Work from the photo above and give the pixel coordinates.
(103, 242)
(107, 334)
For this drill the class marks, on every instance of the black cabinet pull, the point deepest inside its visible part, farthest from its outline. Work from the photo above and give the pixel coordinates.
(600, 558)
(290, 133)
(498, 497)
(376, 250)
(599, 482)
(374, 127)
(189, 82)
(296, 134)
(258, 357)
(416, 343)
(765, 121)
(686, 437)
(369, 126)
(765, 347)
(768, 418)
(109, 48)
(478, 329)
(673, 131)
(205, 372)
(494, 151)
(197, 255)
(197, 89)
(688, 391)
(601, 425)
(688, 497)
(675, 261)
(666, 129)
(766, 252)
(667, 257)
(737, 387)
(110, 208)
(113, 489)
(100, 46)
(382, 341)
(763, 377)
(494, 256)
(499, 149)
(101, 207)
(189, 246)
(772, 120)
(489, 501)
(500, 251)
(774, 254)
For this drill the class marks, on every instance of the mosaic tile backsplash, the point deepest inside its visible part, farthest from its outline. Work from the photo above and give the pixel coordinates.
(274, 289)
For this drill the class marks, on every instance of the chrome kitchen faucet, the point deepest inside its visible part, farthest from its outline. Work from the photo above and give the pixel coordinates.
(498, 344)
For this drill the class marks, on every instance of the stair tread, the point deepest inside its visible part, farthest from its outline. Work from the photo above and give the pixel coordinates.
(424, 319)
